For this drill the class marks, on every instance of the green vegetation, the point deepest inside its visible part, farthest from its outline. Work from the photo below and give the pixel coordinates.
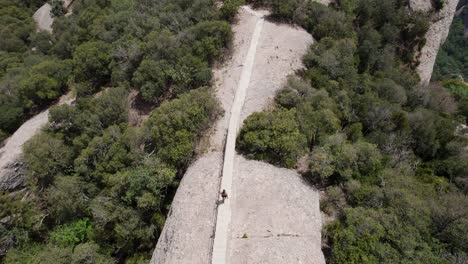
(459, 90)
(100, 185)
(452, 59)
(385, 149)
(30, 77)
(272, 136)
(451, 67)
(162, 49)
(229, 8)
(98, 190)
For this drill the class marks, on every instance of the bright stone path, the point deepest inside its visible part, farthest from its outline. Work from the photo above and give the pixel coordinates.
(223, 219)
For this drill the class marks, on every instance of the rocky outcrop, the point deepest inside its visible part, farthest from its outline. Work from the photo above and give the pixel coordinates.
(294, 237)
(435, 36)
(43, 16)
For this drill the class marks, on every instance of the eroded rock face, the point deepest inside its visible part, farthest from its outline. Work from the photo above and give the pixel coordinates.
(435, 36)
(12, 176)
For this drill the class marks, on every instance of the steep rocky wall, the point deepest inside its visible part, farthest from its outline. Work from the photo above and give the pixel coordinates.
(435, 36)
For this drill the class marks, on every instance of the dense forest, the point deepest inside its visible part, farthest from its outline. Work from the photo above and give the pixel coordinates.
(389, 153)
(97, 189)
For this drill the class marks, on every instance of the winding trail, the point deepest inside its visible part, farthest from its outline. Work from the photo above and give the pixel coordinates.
(224, 209)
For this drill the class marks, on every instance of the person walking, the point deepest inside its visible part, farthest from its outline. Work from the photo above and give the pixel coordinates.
(224, 195)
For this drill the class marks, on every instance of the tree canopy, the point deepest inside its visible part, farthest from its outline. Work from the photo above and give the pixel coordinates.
(386, 151)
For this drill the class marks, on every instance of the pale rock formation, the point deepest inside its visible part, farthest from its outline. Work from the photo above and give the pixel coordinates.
(420, 5)
(188, 233)
(43, 18)
(435, 36)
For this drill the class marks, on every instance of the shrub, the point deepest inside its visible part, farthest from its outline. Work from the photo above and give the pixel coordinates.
(71, 234)
(46, 156)
(229, 9)
(175, 125)
(91, 63)
(272, 136)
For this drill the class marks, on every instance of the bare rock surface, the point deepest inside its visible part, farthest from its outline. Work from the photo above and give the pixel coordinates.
(325, 2)
(278, 213)
(420, 5)
(10, 153)
(188, 233)
(194, 226)
(435, 36)
(279, 54)
(43, 18)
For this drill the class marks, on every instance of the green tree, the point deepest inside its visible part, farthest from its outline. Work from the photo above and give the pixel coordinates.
(91, 63)
(45, 81)
(272, 136)
(108, 153)
(10, 117)
(153, 78)
(211, 37)
(229, 9)
(175, 125)
(71, 234)
(46, 157)
(322, 163)
(57, 8)
(68, 198)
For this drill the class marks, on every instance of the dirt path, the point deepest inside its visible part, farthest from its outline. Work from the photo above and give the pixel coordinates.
(264, 54)
(11, 152)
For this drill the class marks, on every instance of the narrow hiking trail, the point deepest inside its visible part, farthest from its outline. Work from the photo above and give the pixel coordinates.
(224, 209)
(273, 206)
